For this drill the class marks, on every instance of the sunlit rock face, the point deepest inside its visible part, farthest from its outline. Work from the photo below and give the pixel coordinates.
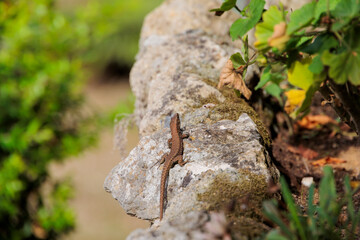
(183, 48)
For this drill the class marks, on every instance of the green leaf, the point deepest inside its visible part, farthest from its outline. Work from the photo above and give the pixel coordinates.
(265, 29)
(301, 18)
(343, 66)
(293, 209)
(327, 189)
(43, 135)
(241, 26)
(329, 208)
(340, 23)
(246, 48)
(346, 9)
(274, 90)
(353, 215)
(311, 206)
(305, 106)
(271, 211)
(316, 65)
(275, 235)
(323, 6)
(348, 193)
(300, 76)
(225, 6)
(278, 77)
(237, 60)
(303, 41)
(320, 44)
(265, 77)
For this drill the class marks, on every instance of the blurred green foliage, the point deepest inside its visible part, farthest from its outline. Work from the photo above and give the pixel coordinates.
(315, 48)
(119, 111)
(335, 216)
(114, 27)
(40, 117)
(42, 52)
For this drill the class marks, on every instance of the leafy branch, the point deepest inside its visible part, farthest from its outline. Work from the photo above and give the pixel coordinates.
(313, 49)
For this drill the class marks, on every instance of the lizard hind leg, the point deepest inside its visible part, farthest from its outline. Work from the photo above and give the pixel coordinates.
(179, 159)
(163, 158)
(161, 161)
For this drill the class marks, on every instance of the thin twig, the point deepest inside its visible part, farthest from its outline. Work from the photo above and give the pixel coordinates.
(252, 48)
(342, 40)
(350, 103)
(238, 9)
(309, 34)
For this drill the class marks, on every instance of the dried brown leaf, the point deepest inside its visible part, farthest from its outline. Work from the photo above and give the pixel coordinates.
(38, 231)
(355, 184)
(279, 37)
(327, 160)
(293, 149)
(308, 153)
(303, 151)
(314, 121)
(230, 76)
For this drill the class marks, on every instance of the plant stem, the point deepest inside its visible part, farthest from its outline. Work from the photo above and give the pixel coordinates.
(346, 104)
(349, 98)
(341, 40)
(308, 34)
(249, 45)
(238, 9)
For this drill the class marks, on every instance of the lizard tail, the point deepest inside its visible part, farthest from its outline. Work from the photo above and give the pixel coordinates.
(162, 191)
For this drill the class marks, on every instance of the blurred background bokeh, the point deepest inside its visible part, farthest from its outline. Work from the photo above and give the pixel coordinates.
(64, 68)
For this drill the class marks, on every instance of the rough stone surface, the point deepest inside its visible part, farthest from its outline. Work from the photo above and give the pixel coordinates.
(169, 76)
(288, 4)
(182, 50)
(199, 225)
(181, 45)
(185, 227)
(174, 17)
(223, 147)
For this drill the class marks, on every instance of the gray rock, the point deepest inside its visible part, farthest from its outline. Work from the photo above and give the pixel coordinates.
(185, 227)
(200, 225)
(182, 45)
(228, 151)
(174, 17)
(182, 50)
(171, 73)
(288, 4)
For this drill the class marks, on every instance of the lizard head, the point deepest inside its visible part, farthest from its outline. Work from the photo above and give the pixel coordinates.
(175, 120)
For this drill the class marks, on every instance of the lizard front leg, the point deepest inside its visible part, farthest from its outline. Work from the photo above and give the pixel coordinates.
(170, 143)
(184, 135)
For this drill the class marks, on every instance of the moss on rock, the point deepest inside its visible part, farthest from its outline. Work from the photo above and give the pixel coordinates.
(232, 108)
(241, 200)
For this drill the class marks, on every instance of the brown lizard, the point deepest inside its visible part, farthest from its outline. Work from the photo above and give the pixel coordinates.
(175, 156)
